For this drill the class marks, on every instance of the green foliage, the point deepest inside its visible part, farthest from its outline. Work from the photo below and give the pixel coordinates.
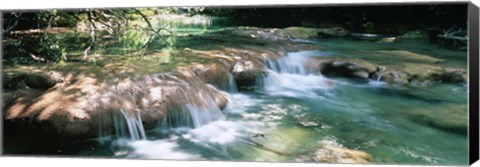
(67, 19)
(133, 39)
(48, 49)
(116, 31)
(220, 12)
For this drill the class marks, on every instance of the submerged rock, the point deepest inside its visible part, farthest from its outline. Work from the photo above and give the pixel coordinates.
(336, 154)
(406, 56)
(341, 155)
(355, 68)
(450, 117)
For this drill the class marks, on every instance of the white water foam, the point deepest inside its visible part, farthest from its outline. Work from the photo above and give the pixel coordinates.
(160, 149)
(218, 132)
(239, 103)
(290, 76)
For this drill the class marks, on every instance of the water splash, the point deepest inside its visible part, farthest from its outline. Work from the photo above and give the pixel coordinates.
(160, 149)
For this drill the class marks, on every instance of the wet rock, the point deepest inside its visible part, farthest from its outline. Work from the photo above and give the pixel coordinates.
(85, 107)
(414, 35)
(248, 78)
(415, 74)
(341, 155)
(451, 75)
(422, 74)
(215, 74)
(394, 77)
(336, 154)
(354, 68)
(247, 72)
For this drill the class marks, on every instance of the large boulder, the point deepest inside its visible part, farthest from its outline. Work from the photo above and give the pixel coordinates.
(352, 68)
(84, 107)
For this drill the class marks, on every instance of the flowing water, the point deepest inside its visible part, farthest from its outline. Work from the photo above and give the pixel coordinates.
(295, 110)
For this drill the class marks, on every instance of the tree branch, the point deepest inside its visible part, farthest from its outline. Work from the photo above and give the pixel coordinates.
(12, 26)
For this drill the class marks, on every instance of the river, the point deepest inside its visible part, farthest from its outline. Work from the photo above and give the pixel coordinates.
(295, 110)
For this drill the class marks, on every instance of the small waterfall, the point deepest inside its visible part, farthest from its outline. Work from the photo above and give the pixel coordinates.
(292, 64)
(202, 115)
(291, 76)
(197, 111)
(126, 125)
(232, 84)
(135, 126)
(188, 105)
(379, 78)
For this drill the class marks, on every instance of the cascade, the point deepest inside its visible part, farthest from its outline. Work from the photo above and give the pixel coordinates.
(291, 76)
